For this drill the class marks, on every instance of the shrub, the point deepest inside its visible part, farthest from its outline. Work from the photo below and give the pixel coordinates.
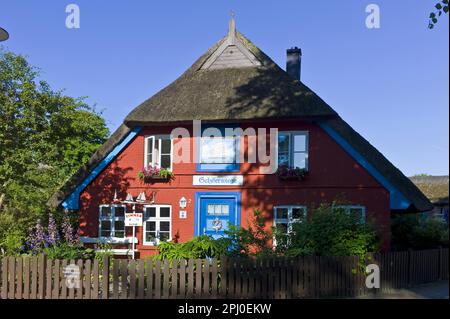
(252, 241)
(103, 250)
(64, 250)
(418, 232)
(203, 246)
(56, 242)
(328, 233)
(12, 242)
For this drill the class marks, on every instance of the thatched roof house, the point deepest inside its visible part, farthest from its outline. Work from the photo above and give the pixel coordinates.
(436, 188)
(256, 90)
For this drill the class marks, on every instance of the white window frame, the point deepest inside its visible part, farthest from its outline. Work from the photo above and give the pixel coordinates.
(289, 220)
(348, 207)
(157, 219)
(154, 160)
(291, 149)
(112, 219)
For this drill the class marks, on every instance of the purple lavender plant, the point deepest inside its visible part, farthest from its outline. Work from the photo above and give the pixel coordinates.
(53, 236)
(67, 230)
(71, 237)
(36, 238)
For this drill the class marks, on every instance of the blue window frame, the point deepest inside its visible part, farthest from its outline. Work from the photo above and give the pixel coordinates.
(218, 153)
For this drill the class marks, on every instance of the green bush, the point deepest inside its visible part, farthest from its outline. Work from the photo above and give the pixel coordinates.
(104, 250)
(328, 233)
(252, 241)
(417, 232)
(67, 251)
(199, 247)
(12, 242)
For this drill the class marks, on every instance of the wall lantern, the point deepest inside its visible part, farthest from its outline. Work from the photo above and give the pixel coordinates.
(183, 202)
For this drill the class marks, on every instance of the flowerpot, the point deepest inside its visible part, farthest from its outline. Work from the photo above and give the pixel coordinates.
(156, 179)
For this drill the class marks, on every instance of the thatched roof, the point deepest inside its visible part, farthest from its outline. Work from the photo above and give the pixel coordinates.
(436, 188)
(262, 91)
(69, 186)
(392, 174)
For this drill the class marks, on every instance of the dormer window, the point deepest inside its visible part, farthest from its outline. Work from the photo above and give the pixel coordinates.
(158, 151)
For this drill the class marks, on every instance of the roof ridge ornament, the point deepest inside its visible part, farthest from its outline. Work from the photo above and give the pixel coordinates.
(231, 29)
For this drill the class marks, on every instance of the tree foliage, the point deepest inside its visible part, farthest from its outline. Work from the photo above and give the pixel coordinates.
(418, 232)
(328, 232)
(45, 136)
(254, 240)
(199, 247)
(440, 8)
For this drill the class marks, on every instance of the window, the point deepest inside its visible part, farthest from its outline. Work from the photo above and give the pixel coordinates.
(218, 210)
(157, 224)
(286, 216)
(293, 149)
(359, 212)
(219, 149)
(158, 151)
(112, 221)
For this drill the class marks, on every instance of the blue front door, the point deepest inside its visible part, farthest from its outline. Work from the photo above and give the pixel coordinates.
(215, 212)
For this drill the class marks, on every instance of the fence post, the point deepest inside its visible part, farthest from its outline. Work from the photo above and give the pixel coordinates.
(223, 277)
(105, 278)
(440, 264)
(4, 294)
(410, 268)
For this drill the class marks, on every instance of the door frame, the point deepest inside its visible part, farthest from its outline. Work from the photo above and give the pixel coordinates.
(204, 195)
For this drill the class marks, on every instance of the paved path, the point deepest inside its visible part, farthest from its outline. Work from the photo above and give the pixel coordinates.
(434, 290)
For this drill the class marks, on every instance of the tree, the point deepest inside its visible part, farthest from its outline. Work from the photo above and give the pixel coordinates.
(45, 136)
(441, 7)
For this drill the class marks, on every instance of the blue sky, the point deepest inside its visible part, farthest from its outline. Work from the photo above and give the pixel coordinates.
(390, 84)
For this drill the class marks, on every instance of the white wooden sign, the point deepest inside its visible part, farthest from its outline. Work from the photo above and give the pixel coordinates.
(133, 219)
(218, 180)
(183, 214)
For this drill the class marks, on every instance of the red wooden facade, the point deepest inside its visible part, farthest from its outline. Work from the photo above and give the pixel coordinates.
(332, 175)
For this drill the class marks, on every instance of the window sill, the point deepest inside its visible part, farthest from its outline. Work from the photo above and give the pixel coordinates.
(217, 168)
(118, 252)
(153, 244)
(108, 240)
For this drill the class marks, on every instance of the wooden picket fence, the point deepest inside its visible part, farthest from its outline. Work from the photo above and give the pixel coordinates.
(37, 277)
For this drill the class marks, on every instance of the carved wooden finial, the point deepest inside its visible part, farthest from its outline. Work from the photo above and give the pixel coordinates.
(231, 28)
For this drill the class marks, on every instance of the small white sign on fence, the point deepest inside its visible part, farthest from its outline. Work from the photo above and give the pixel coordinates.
(133, 219)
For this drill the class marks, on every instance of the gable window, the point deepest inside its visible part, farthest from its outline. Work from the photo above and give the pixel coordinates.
(359, 212)
(293, 149)
(158, 151)
(218, 149)
(157, 224)
(112, 221)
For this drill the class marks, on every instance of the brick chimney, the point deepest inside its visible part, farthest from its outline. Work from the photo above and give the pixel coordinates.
(294, 62)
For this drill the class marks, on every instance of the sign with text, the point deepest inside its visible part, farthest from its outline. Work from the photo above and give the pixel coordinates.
(218, 180)
(133, 219)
